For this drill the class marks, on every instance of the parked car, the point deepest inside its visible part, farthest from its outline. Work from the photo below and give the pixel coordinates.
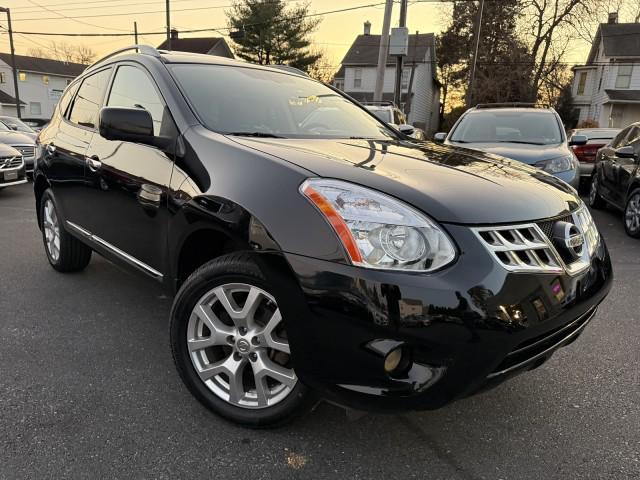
(586, 154)
(25, 144)
(523, 132)
(36, 123)
(616, 179)
(12, 168)
(389, 113)
(15, 124)
(311, 262)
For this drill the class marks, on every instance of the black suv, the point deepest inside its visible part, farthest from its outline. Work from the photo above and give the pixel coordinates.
(315, 251)
(616, 178)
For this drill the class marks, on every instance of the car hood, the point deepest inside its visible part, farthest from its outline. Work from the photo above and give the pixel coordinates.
(450, 184)
(522, 152)
(16, 138)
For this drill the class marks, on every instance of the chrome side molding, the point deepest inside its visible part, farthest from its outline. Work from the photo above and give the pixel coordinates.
(116, 251)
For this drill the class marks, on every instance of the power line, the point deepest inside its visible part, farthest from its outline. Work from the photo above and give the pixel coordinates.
(308, 15)
(91, 2)
(60, 15)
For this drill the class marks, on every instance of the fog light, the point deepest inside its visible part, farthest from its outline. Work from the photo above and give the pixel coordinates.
(392, 360)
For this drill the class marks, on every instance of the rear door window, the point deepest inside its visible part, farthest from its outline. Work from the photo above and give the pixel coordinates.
(88, 101)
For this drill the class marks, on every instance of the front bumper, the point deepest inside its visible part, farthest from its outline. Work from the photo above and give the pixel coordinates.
(12, 177)
(467, 328)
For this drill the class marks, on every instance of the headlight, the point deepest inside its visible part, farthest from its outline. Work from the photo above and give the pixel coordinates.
(557, 165)
(379, 231)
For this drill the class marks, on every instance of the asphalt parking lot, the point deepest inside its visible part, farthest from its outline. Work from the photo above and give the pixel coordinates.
(88, 389)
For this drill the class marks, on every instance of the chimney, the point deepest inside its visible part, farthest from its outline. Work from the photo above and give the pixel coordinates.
(367, 27)
(174, 34)
(613, 18)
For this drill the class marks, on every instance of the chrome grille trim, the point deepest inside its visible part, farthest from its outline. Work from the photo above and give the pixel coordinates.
(10, 163)
(27, 151)
(527, 248)
(520, 248)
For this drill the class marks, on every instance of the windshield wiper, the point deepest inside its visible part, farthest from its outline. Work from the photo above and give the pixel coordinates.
(519, 141)
(255, 134)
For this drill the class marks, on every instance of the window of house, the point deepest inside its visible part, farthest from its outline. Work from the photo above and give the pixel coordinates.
(35, 108)
(22, 76)
(133, 88)
(405, 78)
(45, 79)
(582, 82)
(623, 80)
(3, 77)
(89, 99)
(68, 81)
(339, 84)
(357, 78)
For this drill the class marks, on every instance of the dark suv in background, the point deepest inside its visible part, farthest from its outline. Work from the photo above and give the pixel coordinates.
(315, 250)
(616, 179)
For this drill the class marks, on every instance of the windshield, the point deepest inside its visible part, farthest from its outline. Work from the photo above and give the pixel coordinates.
(384, 115)
(249, 101)
(533, 127)
(19, 126)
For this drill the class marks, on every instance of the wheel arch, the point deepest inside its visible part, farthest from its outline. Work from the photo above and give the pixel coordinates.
(208, 227)
(40, 185)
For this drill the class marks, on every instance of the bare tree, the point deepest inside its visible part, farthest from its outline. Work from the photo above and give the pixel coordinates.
(548, 22)
(324, 68)
(65, 52)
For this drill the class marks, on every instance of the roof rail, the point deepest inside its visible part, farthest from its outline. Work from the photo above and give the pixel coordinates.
(513, 105)
(144, 49)
(381, 103)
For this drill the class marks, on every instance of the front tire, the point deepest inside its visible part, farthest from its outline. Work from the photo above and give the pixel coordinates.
(632, 214)
(64, 252)
(230, 346)
(595, 200)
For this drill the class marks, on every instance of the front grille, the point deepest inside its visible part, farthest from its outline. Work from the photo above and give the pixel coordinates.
(7, 163)
(529, 247)
(520, 248)
(27, 151)
(537, 347)
(547, 225)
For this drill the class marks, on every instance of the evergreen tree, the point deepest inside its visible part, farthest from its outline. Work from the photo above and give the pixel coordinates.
(503, 65)
(272, 33)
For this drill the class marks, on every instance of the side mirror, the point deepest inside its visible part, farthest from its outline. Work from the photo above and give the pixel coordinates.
(126, 124)
(625, 152)
(406, 129)
(578, 140)
(440, 137)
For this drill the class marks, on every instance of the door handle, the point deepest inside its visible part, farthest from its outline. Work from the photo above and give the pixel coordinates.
(93, 163)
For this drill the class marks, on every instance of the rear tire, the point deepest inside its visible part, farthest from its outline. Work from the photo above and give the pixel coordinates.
(230, 347)
(65, 253)
(595, 200)
(632, 214)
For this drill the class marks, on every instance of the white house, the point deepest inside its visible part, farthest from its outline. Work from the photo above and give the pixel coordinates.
(357, 76)
(607, 88)
(41, 81)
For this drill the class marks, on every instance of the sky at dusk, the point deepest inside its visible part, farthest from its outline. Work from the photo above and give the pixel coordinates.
(334, 35)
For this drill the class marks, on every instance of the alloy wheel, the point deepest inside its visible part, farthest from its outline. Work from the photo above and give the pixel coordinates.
(239, 348)
(632, 213)
(51, 230)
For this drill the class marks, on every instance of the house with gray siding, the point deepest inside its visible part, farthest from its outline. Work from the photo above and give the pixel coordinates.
(357, 76)
(41, 82)
(606, 89)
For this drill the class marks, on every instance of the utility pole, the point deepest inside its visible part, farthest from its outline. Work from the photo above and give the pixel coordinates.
(407, 104)
(472, 73)
(135, 32)
(168, 25)
(400, 59)
(13, 60)
(383, 51)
